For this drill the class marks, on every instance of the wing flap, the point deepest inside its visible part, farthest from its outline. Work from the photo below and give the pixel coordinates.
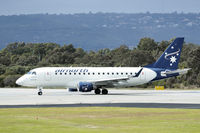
(108, 80)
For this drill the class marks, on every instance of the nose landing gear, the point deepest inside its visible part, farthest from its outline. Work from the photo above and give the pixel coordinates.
(39, 91)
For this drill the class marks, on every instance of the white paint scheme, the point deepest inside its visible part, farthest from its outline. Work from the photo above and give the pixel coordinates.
(46, 77)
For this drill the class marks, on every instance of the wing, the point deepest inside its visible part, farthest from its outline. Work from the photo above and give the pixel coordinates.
(109, 81)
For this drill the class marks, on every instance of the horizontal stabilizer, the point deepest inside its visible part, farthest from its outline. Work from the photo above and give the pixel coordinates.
(180, 71)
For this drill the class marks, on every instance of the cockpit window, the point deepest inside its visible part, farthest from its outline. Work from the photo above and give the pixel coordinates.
(33, 73)
(29, 73)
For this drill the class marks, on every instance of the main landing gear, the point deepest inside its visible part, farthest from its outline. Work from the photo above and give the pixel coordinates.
(39, 91)
(99, 91)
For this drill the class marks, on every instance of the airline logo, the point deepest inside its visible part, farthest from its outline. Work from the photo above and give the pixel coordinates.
(172, 57)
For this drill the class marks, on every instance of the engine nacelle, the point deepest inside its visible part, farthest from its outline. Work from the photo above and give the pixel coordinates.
(85, 86)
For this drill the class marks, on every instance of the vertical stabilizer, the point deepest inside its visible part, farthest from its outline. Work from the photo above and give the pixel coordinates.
(171, 56)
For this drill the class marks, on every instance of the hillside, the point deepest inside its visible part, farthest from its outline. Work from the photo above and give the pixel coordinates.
(97, 31)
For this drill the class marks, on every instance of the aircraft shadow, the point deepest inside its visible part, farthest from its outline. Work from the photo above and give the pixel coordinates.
(120, 94)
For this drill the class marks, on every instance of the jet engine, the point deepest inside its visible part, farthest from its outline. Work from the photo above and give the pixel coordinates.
(85, 86)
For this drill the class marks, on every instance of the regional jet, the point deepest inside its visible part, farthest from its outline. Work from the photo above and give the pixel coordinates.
(97, 79)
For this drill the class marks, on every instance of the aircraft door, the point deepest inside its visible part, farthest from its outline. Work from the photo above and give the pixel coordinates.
(143, 75)
(47, 76)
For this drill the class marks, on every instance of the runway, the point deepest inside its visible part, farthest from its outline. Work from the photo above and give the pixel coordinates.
(22, 97)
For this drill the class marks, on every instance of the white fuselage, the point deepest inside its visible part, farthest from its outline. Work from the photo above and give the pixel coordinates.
(70, 77)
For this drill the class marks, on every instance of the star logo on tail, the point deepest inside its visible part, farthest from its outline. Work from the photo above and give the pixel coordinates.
(172, 56)
(172, 60)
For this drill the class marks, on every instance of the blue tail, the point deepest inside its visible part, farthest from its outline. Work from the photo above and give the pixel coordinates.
(170, 58)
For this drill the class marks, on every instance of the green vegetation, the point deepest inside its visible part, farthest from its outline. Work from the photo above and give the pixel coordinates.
(18, 58)
(99, 119)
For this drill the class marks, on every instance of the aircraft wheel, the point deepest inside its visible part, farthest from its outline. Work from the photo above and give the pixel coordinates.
(39, 90)
(40, 93)
(104, 91)
(97, 91)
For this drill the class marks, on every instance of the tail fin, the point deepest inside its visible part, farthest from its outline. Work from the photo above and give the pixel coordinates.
(170, 58)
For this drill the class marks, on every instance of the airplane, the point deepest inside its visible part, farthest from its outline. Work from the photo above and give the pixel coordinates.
(87, 79)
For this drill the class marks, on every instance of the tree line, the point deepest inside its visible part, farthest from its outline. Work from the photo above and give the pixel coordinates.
(19, 57)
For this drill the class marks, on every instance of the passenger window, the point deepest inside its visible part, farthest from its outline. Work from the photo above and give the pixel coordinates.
(65, 73)
(79, 73)
(126, 73)
(98, 73)
(74, 73)
(121, 73)
(117, 73)
(130, 73)
(83, 73)
(93, 73)
(103, 73)
(60, 73)
(55, 73)
(112, 73)
(70, 73)
(88, 73)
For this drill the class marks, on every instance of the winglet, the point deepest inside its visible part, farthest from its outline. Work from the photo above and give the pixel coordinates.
(138, 73)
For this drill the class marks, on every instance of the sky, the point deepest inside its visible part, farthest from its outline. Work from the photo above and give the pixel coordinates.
(16, 7)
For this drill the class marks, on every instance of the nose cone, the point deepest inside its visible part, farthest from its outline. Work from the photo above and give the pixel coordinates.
(19, 81)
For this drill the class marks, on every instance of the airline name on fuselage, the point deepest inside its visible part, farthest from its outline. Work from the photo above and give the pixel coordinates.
(71, 70)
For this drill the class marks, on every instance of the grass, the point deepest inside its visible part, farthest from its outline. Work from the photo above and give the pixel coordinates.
(99, 119)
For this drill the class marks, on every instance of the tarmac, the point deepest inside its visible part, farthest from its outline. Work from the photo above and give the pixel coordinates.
(26, 97)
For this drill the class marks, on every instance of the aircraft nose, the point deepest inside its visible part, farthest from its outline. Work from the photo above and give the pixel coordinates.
(19, 81)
